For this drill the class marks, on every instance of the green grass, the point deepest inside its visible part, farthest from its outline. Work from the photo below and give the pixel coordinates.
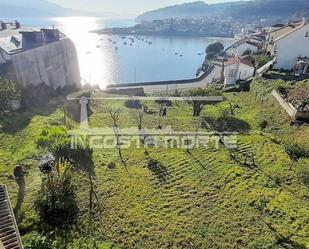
(204, 199)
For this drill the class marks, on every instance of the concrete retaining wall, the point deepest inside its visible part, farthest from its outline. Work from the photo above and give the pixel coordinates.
(54, 64)
(168, 82)
(293, 113)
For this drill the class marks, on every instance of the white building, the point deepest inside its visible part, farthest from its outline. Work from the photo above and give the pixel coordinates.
(33, 57)
(241, 47)
(291, 46)
(276, 33)
(236, 69)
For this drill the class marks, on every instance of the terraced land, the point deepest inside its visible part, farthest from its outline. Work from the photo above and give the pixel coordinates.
(171, 198)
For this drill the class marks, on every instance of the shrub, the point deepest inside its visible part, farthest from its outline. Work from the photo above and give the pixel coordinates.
(296, 151)
(133, 104)
(263, 125)
(8, 91)
(216, 48)
(49, 137)
(111, 165)
(261, 60)
(211, 56)
(36, 241)
(302, 172)
(56, 203)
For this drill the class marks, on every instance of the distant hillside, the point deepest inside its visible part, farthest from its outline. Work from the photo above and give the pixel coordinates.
(37, 8)
(242, 10)
(12, 11)
(181, 10)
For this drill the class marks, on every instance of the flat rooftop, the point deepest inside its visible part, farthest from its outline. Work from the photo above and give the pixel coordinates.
(11, 38)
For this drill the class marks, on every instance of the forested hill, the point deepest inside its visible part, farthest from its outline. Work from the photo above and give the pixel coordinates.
(37, 8)
(241, 10)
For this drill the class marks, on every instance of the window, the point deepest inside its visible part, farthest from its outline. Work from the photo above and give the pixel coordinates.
(232, 73)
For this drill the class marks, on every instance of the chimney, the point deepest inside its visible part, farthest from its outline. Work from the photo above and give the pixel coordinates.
(17, 24)
(3, 25)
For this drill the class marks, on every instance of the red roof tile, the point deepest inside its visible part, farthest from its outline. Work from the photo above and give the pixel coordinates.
(235, 60)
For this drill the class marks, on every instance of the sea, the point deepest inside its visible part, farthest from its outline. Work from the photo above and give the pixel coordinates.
(114, 59)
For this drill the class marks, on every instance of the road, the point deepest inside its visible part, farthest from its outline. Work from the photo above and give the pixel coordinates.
(215, 74)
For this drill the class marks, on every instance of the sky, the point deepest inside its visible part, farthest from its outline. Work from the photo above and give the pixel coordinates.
(123, 6)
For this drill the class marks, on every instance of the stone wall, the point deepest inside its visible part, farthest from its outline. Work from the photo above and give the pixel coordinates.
(54, 64)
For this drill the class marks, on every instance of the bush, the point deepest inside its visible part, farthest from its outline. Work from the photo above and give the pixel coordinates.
(133, 104)
(56, 203)
(296, 151)
(263, 125)
(36, 241)
(8, 91)
(261, 60)
(302, 172)
(216, 48)
(49, 137)
(211, 56)
(111, 165)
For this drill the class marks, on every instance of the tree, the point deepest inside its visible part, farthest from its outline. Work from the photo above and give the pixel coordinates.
(8, 91)
(216, 48)
(210, 55)
(198, 105)
(138, 116)
(114, 114)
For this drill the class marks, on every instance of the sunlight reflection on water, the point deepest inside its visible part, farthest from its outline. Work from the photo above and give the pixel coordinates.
(96, 56)
(144, 59)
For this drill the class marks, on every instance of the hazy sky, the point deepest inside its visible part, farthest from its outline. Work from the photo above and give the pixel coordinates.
(123, 6)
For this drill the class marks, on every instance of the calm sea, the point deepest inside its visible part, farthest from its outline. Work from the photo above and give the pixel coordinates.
(107, 59)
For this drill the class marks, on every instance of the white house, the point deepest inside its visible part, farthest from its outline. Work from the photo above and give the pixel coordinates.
(291, 46)
(276, 33)
(236, 69)
(33, 56)
(239, 48)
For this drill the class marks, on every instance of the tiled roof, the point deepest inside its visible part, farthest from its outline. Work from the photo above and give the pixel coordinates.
(237, 60)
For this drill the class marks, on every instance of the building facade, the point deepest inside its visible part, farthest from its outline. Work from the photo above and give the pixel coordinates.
(237, 69)
(32, 57)
(291, 46)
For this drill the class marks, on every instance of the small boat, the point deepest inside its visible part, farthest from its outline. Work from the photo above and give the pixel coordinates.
(150, 43)
(114, 42)
(124, 43)
(116, 48)
(199, 54)
(180, 55)
(176, 54)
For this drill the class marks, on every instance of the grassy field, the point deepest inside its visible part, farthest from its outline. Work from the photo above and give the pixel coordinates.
(201, 199)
